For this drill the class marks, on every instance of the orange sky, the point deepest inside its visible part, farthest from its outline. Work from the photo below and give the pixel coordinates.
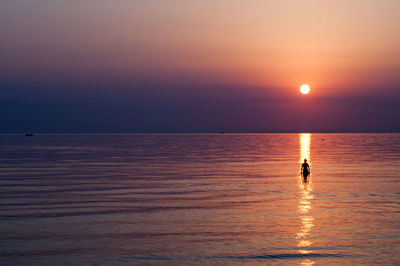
(239, 57)
(330, 44)
(333, 45)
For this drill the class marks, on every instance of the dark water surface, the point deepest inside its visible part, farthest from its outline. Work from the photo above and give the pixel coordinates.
(200, 199)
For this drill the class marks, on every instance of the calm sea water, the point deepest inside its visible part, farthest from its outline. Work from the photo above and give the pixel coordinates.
(199, 199)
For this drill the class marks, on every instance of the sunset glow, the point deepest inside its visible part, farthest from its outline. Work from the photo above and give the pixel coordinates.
(305, 89)
(181, 132)
(184, 66)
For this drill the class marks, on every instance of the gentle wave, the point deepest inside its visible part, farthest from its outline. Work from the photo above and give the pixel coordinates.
(199, 199)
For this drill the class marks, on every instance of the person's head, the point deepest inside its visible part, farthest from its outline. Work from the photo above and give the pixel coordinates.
(305, 160)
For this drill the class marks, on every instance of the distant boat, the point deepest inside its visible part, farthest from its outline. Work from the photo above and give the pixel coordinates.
(29, 135)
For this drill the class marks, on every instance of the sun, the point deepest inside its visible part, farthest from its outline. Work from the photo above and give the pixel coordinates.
(305, 89)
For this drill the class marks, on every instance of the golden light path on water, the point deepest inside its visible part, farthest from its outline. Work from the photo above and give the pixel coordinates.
(304, 206)
(305, 147)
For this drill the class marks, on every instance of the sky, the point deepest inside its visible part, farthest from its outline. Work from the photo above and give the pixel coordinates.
(199, 66)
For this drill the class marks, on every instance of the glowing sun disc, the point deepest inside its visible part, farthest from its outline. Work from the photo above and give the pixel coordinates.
(305, 89)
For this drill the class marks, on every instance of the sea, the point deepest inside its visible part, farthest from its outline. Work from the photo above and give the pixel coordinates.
(199, 199)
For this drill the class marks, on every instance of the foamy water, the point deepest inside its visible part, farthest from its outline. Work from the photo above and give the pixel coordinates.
(200, 199)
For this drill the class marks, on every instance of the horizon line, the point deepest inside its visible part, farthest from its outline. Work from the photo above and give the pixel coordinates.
(199, 132)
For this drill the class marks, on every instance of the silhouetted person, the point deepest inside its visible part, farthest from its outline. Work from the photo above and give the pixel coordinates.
(305, 169)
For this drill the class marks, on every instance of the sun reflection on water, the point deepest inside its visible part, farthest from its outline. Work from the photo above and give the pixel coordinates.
(305, 140)
(304, 206)
(307, 262)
